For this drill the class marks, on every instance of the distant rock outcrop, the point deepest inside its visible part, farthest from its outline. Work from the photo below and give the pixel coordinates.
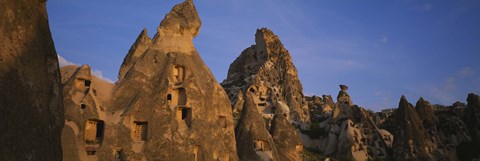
(412, 142)
(31, 109)
(346, 133)
(471, 118)
(266, 69)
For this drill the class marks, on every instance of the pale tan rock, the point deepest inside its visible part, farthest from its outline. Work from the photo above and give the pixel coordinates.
(267, 69)
(286, 140)
(166, 104)
(86, 100)
(142, 43)
(254, 142)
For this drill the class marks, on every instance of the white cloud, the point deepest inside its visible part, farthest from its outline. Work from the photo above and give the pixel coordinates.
(63, 62)
(99, 74)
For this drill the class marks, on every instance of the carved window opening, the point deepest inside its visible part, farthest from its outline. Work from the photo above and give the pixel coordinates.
(90, 150)
(118, 154)
(140, 129)
(184, 114)
(87, 83)
(260, 145)
(223, 121)
(94, 131)
(252, 90)
(177, 97)
(178, 73)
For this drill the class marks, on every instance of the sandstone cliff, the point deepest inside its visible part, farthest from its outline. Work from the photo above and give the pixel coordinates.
(166, 104)
(31, 110)
(86, 103)
(345, 132)
(287, 142)
(411, 139)
(267, 70)
(264, 80)
(254, 143)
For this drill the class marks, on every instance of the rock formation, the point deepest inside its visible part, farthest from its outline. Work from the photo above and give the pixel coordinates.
(287, 142)
(142, 43)
(166, 104)
(86, 101)
(31, 110)
(266, 69)
(254, 143)
(264, 78)
(411, 139)
(471, 118)
(346, 133)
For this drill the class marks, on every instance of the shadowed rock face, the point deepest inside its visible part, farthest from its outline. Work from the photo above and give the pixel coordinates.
(411, 139)
(31, 110)
(346, 132)
(166, 104)
(286, 140)
(254, 143)
(425, 111)
(469, 150)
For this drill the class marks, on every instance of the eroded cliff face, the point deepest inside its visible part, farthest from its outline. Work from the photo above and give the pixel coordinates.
(253, 140)
(166, 104)
(31, 110)
(345, 131)
(266, 69)
(86, 100)
(264, 78)
(287, 142)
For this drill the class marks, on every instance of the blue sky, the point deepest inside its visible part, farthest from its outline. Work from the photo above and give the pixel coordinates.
(380, 49)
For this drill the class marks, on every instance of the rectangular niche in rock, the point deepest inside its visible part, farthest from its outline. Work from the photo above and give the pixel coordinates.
(140, 129)
(118, 154)
(260, 145)
(91, 150)
(178, 74)
(184, 115)
(223, 121)
(177, 97)
(82, 85)
(94, 129)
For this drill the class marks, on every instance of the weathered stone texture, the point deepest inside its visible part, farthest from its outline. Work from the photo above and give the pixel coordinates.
(31, 110)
